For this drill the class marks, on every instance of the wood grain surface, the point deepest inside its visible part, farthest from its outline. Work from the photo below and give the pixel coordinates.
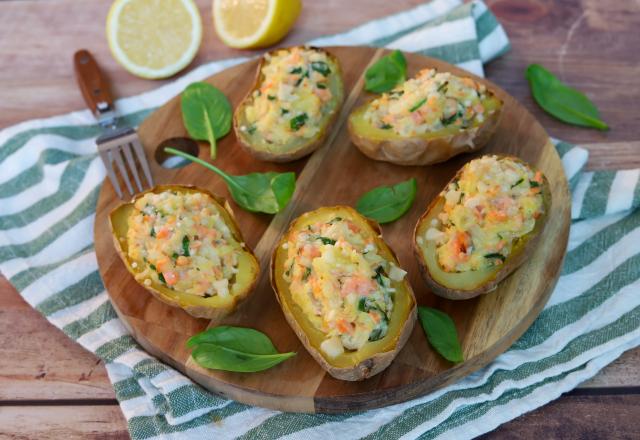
(588, 38)
(338, 173)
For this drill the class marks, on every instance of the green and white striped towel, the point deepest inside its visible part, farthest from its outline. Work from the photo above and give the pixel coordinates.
(49, 181)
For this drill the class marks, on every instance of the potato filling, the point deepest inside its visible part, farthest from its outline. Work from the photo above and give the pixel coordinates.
(182, 241)
(294, 96)
(341, 282)
(494, 202)
(429, 102)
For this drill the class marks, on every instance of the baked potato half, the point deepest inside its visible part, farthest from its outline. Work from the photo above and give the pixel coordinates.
(426, 120)
(183, 245)
(482, 226)
(342, 291)
(286, 115)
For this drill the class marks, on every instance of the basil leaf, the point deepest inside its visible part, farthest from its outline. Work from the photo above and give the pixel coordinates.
(561, 101)
(206, 113)
(385, 204)
(256, 192)
(441, 333)
(237, 349)
(386, 73)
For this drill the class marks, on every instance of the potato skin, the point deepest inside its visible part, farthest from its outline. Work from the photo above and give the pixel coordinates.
(196, 310)
(506, 269)
(369, 366)
(420, 151)
(304, 149)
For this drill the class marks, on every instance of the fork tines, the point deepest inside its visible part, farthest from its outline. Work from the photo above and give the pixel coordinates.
(115, 144)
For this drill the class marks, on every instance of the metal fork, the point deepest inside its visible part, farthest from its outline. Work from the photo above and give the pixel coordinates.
(114, 142)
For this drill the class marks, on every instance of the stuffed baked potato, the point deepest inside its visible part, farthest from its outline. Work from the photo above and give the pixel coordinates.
(425, 120)
(482, 226)
(297, 94)
(342, 291)
(182, 244)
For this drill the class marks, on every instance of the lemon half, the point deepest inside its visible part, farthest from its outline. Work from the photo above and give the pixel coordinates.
(154, 38)
(247, 24)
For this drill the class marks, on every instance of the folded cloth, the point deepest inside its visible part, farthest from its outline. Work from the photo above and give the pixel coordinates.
(50, 177)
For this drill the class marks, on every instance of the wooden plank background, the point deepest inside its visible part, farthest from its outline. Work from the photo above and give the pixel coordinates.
(50, 387)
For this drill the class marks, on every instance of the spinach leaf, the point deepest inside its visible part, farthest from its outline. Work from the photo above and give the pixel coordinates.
(417, 105)
(386, 73)
(256, 192)
(206, 113)
(297, 122)
(441, 333)
(321, 67)
(237, 349)
(378, 276)
(497, 255)
(185, 246)
(561, 101)
(380, 331)
(450, 119)
(385, 204)
(302, 77)
(326, 240)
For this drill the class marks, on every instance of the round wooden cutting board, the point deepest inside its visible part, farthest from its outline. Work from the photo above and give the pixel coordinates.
(338, 173)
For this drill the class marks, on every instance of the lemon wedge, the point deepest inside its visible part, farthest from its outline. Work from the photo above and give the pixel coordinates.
(154, 38)
(247, 24)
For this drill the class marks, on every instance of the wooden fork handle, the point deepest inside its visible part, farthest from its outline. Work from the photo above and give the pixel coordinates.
(93, 85)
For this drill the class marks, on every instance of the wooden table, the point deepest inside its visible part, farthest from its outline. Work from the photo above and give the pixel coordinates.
(50, 387)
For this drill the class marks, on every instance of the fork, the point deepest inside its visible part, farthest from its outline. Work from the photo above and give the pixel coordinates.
(115, 141)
